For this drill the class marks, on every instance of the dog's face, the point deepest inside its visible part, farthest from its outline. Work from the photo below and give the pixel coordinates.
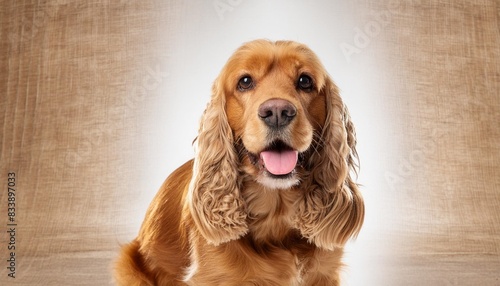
(276, 108)
(275, 121)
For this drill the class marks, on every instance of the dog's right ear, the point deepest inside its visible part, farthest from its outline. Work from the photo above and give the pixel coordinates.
(214, 199)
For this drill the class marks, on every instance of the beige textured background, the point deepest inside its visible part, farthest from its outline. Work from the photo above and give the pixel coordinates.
(100, 100)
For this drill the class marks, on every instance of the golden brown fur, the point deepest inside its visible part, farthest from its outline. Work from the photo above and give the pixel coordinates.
(227, 217)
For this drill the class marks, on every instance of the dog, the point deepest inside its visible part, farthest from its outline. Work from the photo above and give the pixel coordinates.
(269, 198)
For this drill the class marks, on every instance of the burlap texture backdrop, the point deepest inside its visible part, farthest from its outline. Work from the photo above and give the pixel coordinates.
(89, 95)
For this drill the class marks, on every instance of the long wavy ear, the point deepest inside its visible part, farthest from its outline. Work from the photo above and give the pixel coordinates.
(214, 199)
(333, 209)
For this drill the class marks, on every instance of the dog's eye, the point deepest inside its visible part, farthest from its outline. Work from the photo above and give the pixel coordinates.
(245, 83)
(305, 82)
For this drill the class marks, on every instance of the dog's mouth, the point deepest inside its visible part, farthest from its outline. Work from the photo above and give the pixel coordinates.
(279, 160)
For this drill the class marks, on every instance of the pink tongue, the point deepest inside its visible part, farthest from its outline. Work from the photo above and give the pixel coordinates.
(279, 162)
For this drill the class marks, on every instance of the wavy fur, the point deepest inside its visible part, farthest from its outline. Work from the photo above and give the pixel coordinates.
(332, 210)
(224, 218)
(214, 200)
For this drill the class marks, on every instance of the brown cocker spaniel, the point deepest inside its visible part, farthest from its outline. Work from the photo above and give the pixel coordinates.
(268, 198)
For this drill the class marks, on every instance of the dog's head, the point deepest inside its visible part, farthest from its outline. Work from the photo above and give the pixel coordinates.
(276, 107)
(277, 117)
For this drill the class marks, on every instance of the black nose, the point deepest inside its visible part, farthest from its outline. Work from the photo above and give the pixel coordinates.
(277, 113)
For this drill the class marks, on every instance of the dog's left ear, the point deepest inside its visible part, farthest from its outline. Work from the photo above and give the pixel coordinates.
(214, 199)
(332, 210)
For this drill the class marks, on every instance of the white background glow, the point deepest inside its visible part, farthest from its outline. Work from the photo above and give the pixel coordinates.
(204, 39)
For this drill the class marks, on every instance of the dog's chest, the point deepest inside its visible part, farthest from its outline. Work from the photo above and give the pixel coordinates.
(271, 214)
